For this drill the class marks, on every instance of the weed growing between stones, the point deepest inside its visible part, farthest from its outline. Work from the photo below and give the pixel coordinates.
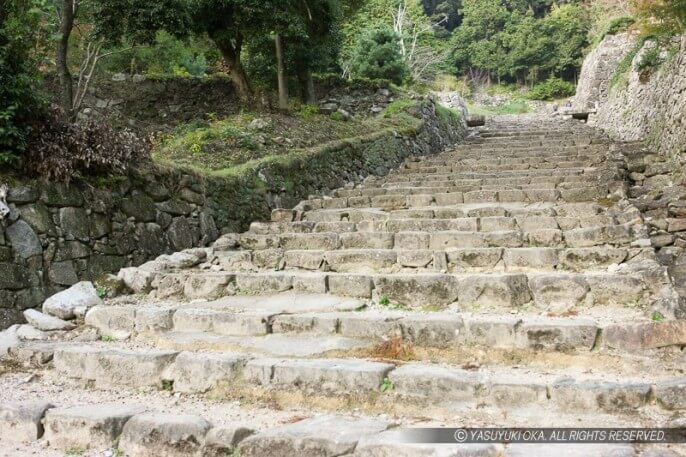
(387, 386)
(394, 349)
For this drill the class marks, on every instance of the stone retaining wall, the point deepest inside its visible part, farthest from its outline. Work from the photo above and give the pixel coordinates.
(647, 109)
(55, 236)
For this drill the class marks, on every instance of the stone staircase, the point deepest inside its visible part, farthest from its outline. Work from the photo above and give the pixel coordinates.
(507, 282)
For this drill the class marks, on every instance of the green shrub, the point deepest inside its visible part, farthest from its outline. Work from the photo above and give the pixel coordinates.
(551, 89)
(618, 24)
(166, 56)
(20, 103)
(308, 111)
(378, 56)
(625, 65)
(398, 107)
(650, 60)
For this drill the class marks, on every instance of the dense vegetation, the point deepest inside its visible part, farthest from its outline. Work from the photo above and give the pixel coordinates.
(267, 46)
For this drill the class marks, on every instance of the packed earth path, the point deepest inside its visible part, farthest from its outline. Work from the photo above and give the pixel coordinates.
(507, 282)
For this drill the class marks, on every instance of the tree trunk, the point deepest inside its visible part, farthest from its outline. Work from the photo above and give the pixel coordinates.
(309, 85)
(232, 58)
(306, 83)
(61, 57)
(281, 73)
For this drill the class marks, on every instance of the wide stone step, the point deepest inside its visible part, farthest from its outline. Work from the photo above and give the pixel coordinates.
(546, 291)
(412, 198)
(500, 236)
(432, 187)
(281, 326)
(450, 178)
(419, 258)
(456, 211)
(473, 149)
(420, 383)
(460, 172)
(505, 167)
(505, 170)
(486, 160)
(139, 430)
(393, 223)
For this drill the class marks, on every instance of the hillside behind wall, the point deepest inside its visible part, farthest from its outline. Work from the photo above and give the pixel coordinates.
(638, 107)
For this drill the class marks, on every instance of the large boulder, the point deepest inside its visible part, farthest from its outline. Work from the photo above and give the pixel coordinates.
(77, 299)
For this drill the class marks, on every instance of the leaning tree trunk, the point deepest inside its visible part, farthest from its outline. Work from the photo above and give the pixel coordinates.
(234, 65)
(281, 73)
(61, 57)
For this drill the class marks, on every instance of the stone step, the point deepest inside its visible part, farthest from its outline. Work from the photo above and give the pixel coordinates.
(465, 185)
(505, 170)
(434, 224)
(391, 179)
(418, 258)
(470, 174)
(139, 429)
(489, 209)
(420, 383)
(285, 325)
(505, 167)
(611, 235)
(523, 151)
(641, 286)
(412, 198)
(439, 187)
(489, 160)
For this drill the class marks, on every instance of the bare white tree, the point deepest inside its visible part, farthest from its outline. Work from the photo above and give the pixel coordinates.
(4, 208)
(421, 60)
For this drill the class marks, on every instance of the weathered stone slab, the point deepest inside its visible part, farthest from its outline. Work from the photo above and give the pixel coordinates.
(494, 289)
(395, 443)
(370, 324)
(599, 396)
(133, 369)
(324, 436)
(64, 304)
(557, 334)
(117, 322)
(494, 331)
(435, 382)
(45, 322)
(195, 372)
(21, 422)
(418, 290)
(570, 450)
(671, 395)
(559, 290)
(340, 376)
(164, 435)
(434, 330)
(88, 427)
(647, 335)
(222, 441)
(207, 285)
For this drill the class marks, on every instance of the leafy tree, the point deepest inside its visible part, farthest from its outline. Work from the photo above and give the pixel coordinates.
(378, 56)
(566, 28)
(662, 17)
(446, 14)
(19, 102)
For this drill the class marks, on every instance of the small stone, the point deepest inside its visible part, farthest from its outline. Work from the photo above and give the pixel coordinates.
(63, 304)
(164, 435)
(46, 322)
(30, 333)
(325, 436)
(21, 422)
(94, 427)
